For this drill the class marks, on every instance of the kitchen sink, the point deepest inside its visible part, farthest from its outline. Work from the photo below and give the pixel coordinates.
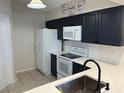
(84, 84)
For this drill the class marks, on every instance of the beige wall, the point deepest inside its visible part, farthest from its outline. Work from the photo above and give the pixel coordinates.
(5, 7)
(91, 5)
(25, 21)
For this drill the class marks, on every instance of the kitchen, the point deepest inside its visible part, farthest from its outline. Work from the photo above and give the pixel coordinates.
(104, 47)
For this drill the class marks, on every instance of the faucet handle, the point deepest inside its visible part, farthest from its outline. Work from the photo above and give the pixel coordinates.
(107, 86)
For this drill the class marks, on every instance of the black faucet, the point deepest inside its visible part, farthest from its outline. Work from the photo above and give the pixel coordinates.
(98, 88)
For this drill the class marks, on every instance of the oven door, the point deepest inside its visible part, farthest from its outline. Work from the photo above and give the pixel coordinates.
(64, 67)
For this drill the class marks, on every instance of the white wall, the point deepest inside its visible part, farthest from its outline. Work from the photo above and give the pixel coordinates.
(25, 21)
(91, 5)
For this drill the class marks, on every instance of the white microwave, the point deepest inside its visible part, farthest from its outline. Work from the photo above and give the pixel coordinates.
(72, 33)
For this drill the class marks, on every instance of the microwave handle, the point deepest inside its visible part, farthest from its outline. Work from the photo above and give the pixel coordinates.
(74, 35)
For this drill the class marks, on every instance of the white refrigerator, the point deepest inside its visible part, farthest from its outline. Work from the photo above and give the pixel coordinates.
(45, 43)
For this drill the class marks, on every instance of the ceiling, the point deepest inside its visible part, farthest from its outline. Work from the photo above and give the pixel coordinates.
(50, 3)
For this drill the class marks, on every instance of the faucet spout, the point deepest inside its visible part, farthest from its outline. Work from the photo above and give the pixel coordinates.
(98, 87)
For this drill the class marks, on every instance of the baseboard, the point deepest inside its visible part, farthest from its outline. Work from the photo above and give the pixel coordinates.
(45, 74)
(48, 74)
(23, 70)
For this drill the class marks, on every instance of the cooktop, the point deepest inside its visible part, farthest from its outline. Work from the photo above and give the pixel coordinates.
(70, 55)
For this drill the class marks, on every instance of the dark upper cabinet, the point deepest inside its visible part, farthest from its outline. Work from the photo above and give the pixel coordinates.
(73, 20)
(60, 34)
(110, 21)
(54, 24)
(102, 27)
(90, 31)
(54, 65)
(69, 21)
(79, 20)
(60, 23)
(49, 24)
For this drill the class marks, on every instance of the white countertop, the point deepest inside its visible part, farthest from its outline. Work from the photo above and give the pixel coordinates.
(112, 74)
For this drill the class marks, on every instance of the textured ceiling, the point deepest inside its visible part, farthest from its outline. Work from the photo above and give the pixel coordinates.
(50, 3)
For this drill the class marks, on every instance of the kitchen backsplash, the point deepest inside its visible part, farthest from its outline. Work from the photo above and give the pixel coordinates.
(108, 54)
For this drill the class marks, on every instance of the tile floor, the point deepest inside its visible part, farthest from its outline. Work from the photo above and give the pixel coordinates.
(28, 80)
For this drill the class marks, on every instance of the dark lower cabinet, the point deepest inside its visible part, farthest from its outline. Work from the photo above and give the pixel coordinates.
(54, 65)
(78, 68)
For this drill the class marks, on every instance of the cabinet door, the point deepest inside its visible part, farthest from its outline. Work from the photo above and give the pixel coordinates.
(79, 68)
(70, 21)
(54, 65)
(109, 26)
(79, 20)
(60, 28)
(90, 31)
(60, 34)
(52, 24)
(49, 24)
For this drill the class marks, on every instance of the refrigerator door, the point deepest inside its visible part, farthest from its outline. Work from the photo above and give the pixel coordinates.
(51, 44)
(46, 42)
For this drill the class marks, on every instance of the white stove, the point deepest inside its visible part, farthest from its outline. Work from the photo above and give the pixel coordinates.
(65, 63)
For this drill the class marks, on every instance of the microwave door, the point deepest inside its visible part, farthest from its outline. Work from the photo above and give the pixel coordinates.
(69, 35)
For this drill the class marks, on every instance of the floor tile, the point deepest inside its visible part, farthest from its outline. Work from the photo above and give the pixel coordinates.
(17, 84)
(28, 80)
(4, 91)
